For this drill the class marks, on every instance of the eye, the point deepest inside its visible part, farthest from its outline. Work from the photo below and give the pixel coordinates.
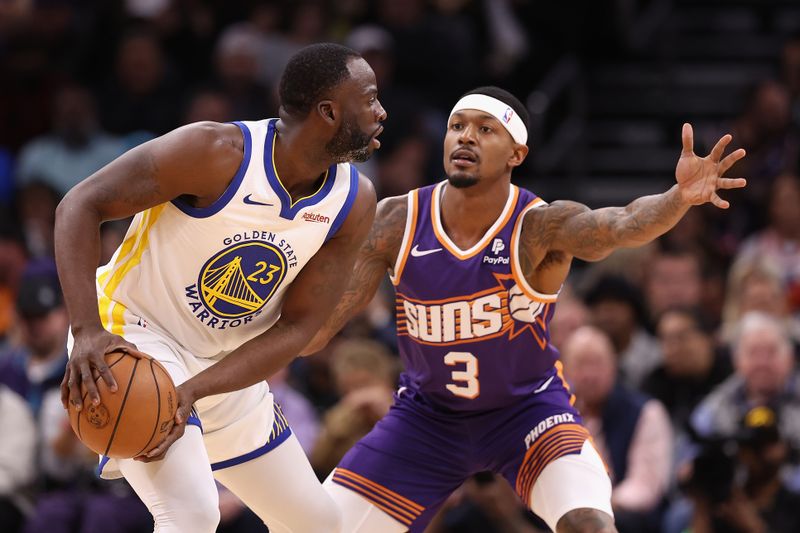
(486, 129)
(456, 126)
(372, 100)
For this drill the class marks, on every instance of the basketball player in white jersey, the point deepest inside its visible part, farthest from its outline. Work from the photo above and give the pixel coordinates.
(243, 238)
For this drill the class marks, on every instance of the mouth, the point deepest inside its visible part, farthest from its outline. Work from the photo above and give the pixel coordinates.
(464, 157)
(374, 140)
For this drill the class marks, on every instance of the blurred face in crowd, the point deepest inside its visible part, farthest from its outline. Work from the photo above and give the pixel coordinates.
(673, 281)
(784, 206)
(570, 315)
(687, 350)
(763, 357)
(616, 318)
(140, 64)
(770, 108)
(590, 365)
(761, 292)
(45, 335)
(74, 118)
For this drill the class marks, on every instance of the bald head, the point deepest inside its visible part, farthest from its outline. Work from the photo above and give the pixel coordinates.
(590, 364)
(763, 355)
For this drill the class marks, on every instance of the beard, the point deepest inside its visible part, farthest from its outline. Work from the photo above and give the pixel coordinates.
(349, 144)
(461, 180)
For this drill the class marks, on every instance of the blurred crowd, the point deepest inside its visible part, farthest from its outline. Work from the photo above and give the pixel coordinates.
(682, 353)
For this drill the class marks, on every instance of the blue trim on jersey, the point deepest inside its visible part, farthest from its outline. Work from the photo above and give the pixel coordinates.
(348, 204)
(103, 461)
(258, 452)
(289, 209)
(233, 186)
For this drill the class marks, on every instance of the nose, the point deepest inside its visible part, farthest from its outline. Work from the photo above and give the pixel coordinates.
(381, 113)
(467, 135)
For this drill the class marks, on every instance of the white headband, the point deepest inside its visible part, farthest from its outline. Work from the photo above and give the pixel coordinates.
(499, 110)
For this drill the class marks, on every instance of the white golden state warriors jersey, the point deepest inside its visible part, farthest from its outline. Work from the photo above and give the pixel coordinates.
(213, 278)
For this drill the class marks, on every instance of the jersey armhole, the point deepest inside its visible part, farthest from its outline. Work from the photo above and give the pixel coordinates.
(347, 206)
(408, 237)
(516, 269)
(233, 186)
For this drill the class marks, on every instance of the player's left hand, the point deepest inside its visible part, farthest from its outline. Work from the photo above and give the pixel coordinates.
(699, 178)
(185, 401)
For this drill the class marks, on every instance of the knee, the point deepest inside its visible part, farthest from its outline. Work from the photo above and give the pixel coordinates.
(586, 521)
(200, 516)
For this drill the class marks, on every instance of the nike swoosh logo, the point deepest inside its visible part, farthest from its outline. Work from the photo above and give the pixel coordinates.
(416, 252)
(250, 201)
(544, 385)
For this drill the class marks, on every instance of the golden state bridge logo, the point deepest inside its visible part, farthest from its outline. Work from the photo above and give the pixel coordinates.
(236, 283)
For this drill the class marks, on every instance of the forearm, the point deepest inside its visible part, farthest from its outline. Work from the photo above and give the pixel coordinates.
(353, 301)
(254, 361)
(648, 217)
(593, 234)
(77, 249)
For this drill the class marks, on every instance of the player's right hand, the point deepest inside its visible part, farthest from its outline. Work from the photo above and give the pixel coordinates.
(86, 362)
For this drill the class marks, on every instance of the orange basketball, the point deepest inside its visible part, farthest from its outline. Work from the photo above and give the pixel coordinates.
(137, 417)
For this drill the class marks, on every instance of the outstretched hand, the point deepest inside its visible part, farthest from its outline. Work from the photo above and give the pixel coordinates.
(699, 178)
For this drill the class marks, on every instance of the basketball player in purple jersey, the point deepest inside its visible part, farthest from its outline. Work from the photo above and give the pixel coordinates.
(477, 265)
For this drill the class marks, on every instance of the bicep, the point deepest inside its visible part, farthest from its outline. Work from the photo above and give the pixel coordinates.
(192, 160)
(316, 290)
(576, 230)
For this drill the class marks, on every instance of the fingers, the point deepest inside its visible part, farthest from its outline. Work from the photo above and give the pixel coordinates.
(65, 384)
(731, 183)
(105, 373)
(88, 383)
(719, 202)
(719, 148)
(687, 136)
(730, 159)
(158, 453)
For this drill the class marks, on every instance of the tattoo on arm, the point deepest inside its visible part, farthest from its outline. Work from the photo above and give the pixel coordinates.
(573, 229)
(376, 255)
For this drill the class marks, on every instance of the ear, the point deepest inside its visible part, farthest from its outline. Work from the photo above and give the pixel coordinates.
(328, 111)
(520, 152)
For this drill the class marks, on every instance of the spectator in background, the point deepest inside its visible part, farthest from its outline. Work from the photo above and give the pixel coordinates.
(756, 284)
(674, 278)
(37, 365)
(142, 95)
(780, 241)
(764, 376)
(691, 367)
(237, 63)
(632, 432)
(617, 309)
(36, 205)
(570, 315)
(17, 450)
(74, 148)
(209, 104)
(742, 490)
(12, 264)
(366, 375)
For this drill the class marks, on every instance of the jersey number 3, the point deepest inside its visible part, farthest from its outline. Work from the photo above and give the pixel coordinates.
(469, 376)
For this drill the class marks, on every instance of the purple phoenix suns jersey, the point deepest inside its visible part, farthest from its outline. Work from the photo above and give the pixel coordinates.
(473, 334)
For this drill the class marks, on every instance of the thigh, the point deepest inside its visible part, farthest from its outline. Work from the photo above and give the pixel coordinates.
(406, 466)
(179, 491)
(282, 489)
(570, 483)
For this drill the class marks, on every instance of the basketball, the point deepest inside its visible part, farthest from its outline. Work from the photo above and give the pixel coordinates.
(137, 417)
